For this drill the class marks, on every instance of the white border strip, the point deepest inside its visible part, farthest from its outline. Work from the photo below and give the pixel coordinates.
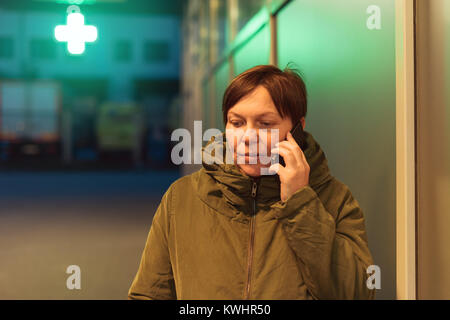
(405, 150)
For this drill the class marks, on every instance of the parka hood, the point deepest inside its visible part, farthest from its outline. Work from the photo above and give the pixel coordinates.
(218, 181)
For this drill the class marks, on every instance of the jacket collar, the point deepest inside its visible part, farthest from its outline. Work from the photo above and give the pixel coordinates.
(227, 189)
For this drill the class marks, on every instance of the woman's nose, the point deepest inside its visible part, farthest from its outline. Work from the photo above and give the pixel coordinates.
(248, 143)
(251, 135)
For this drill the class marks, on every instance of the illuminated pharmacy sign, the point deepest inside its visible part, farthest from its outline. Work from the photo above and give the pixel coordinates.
(75, 33)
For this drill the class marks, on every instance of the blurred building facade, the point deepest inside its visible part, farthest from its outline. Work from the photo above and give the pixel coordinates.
(52, 101)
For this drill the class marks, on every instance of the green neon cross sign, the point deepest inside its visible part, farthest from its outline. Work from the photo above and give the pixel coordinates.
(75, 33)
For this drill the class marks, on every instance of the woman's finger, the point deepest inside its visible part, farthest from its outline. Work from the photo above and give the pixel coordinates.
(290, 138)
(305, 162)
(288, 156)
(295, 149)
(298, 151)
(277, 168)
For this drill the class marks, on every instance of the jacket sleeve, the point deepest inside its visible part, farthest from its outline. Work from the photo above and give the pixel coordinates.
(154, 279)
(331, 250)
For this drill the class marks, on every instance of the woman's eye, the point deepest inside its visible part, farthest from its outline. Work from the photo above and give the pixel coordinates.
(235, 123)
(266, 124)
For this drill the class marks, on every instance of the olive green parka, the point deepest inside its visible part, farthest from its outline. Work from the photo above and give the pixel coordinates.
(220, 234)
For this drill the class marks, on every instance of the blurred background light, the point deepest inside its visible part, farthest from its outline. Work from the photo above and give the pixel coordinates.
(75, 33)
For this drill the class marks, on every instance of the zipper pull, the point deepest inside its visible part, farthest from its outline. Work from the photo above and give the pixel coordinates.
(254, 186)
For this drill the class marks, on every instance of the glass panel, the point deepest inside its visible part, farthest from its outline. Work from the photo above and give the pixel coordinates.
(206, 101)
(222, 80)
(247, 9)
(204, 34)
(349, 70)
(254, 52)
(222, 35)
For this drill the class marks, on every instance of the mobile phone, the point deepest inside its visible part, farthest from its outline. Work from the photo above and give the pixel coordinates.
(299, 136)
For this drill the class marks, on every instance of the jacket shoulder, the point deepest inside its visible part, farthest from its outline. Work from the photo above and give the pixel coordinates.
(333, 188)
(181, 188)
(186, 181)
(336, 196)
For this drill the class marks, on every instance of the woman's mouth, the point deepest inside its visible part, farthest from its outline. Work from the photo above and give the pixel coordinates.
(247, 158)
(248, 154)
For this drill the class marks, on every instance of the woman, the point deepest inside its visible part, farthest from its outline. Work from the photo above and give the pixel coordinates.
(229, 232)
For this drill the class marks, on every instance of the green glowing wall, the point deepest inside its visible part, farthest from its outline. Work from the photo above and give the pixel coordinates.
(349, 71)
(222, 80)
(350, 76)
(254, 52)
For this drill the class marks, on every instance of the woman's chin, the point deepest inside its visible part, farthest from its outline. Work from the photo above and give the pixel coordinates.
(253, 170)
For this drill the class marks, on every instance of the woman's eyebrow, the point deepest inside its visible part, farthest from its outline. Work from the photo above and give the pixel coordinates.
(259, 115)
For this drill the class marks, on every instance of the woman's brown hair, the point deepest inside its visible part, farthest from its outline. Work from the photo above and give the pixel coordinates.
(286, 88)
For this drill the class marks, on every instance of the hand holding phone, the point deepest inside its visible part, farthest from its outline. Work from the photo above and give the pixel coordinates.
(294, 175)
(299, 136)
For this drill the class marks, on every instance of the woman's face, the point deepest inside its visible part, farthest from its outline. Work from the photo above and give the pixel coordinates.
(255, 111)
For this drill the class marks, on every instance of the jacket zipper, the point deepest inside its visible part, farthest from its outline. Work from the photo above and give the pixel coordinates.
(252, 237)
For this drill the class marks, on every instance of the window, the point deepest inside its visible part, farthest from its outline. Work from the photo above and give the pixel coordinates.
(156, 51)
(6, 48)
(43, 49)
(122, 50)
